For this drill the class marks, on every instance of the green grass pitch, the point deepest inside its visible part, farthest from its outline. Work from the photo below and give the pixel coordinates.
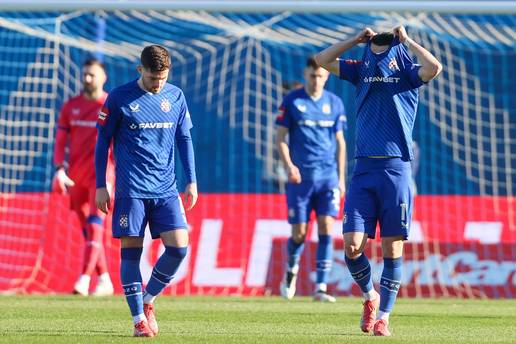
(70, 319)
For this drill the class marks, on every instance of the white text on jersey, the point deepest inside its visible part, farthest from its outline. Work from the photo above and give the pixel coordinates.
(388, 79)
(157, 125)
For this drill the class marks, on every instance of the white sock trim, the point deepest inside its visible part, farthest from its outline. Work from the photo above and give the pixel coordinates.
(148, 298)
(138, 318)
(104, 277)
(383, 316)
(321, 286)
(370, 295)
(84, 279)
(294, 269)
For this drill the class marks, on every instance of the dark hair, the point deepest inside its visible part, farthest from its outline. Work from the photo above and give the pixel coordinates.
(94, 61)
(383, 38)
(310, 62)
(155, 58)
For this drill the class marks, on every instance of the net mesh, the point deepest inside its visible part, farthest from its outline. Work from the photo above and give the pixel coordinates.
(234, 70)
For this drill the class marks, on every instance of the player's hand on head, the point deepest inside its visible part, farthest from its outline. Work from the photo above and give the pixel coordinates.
(365, 35)
(102, 200)
(401, 33)
(191, 195)
(61, 181)
(294, 176)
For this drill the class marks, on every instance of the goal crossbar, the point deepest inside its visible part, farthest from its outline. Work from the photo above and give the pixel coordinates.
(457, 6)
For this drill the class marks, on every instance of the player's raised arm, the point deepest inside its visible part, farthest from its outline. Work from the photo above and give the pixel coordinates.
(186, 154)
(430, 66)
(106, 124)
(328, 58)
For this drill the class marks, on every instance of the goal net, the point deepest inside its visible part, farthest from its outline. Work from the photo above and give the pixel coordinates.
(234, 69)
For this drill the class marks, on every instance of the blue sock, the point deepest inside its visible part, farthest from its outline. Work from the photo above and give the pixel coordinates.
(165, 269)
(360, 270)
(324, 258)
(132, 278)
(294, 251)
(390, 283)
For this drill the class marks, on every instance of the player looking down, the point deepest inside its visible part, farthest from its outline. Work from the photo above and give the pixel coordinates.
(380, 191)
(146, 119)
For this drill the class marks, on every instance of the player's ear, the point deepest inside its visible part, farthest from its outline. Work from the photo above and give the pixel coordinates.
(139, 69)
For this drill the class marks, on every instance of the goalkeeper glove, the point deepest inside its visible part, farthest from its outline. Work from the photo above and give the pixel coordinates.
(61, 181)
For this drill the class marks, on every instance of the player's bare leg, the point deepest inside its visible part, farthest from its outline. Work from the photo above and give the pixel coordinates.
(295, 247)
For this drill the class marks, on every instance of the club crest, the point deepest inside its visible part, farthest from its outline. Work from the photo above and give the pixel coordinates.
(393, 65)
(165, 105)
(124, 221)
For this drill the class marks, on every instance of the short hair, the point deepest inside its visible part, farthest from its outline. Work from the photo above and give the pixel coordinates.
(92, 61)
(155, 58)
(311, 62)
(383, 38)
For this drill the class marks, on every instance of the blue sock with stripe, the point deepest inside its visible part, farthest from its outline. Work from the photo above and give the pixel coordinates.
(294, 251)
(131, 278)
(324, 259)
(164, 270)
(360, 270)
(390, 283)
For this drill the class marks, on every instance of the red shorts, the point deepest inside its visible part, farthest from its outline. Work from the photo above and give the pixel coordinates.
(82, 200)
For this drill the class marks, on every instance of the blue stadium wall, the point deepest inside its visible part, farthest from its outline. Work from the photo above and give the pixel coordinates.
(225, 161)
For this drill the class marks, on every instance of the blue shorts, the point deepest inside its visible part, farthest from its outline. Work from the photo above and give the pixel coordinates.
(131, 215)
(323, 196)
(380, 190)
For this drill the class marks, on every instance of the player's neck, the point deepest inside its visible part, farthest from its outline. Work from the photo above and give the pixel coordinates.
(313, 94)
(140, 84)
(95, 95)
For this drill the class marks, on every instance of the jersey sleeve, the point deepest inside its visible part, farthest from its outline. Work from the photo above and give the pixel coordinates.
(412, 74)
(283, 117)
(185, 120)
(62, 132)
(341, 123)
(411, 70)
(184, 142)
(107, 123)
(349, 70)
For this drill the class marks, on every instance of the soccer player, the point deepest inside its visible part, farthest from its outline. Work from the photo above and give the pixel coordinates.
(314, 157)
(76, 129)
(387, 82)
(146, 118)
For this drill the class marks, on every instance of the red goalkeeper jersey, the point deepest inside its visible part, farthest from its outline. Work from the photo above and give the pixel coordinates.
(77, 130)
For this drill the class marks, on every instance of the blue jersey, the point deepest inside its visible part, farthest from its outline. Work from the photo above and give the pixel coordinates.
(386, 101)
(312, 125)
(144, 127)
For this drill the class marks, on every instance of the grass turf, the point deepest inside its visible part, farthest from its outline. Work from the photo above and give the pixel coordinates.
(71, 319)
